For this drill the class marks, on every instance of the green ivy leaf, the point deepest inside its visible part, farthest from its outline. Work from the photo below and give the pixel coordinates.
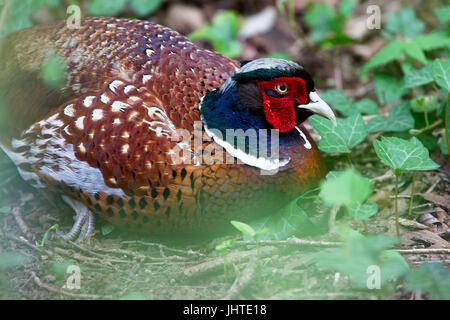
(415, 77)
(290, 220)
(229, 48)
(415, 51)
(358, 253)
(322, 20)
(443, 14)
(10, 259)
(388, 87)
(224, 245)
(362, 211)
(433, 40)
(144, 7)
(107, 228)
(392, 51)
(244, 228)
(346, 8)
(337, 99)
(400, 119)
(347, 188)
(433, 278)
(365, 106)
(221, 32)
(105, 7)
(424, 103)
(348, 133)
(440, 71)
(405, 22)
(404, 155)
(19, 13)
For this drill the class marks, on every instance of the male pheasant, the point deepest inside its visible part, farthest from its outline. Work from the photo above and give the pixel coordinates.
(110, 140)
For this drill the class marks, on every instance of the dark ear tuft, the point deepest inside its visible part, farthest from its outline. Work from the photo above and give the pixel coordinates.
(243, 63)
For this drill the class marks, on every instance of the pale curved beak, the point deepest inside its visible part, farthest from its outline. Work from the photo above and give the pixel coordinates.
(318, 106)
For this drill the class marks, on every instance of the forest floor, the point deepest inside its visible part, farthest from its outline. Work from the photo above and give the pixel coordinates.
(123, 265)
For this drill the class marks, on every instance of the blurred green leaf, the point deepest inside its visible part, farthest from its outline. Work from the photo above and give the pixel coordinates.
(19, 13)
(346, 8)
(404, 155)
(432, 41)
(322, 20)
(362, 211)
(424, 103)
(440, 71)
(400, 119)
(404, 22)
(431, 277)
(347, 188)
(52, 71)
(222, 32)
(365, 106)
(290, 220)
(415, 77)
(443, 14)
(280, 55)
(388, 87)
(10, 259)
(443, 145)
(105, 7)
(107, 228)
(244, 228)
(229, 48)
(413, 50)
(144, 7)
(359, 253)
(348, 133)
(224, 245)
(338, 100)
(392, 51)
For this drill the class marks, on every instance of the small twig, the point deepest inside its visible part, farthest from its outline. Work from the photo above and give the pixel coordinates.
(424, 251)
(216, 265)
(447, 136)
(430, 189)
(412, 194)
(242, 281)
(397, 224)
(161, 246)
(332, 218)
(21, 223)
(415, 132)
(293, 241)
(26, 243)
(387, 175)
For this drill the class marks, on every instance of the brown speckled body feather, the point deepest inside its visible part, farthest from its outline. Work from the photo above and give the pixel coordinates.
(103, 139)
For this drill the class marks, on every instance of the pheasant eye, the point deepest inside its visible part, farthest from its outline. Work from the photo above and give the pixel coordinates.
(281, 88)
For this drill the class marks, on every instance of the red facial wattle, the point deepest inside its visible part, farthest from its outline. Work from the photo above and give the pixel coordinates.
(280, 109)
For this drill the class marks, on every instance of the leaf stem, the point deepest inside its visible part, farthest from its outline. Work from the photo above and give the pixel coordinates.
(349, 160)
(427, 122)
(446, 126)
(397, 224)
(415, 132)
(412, 194)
